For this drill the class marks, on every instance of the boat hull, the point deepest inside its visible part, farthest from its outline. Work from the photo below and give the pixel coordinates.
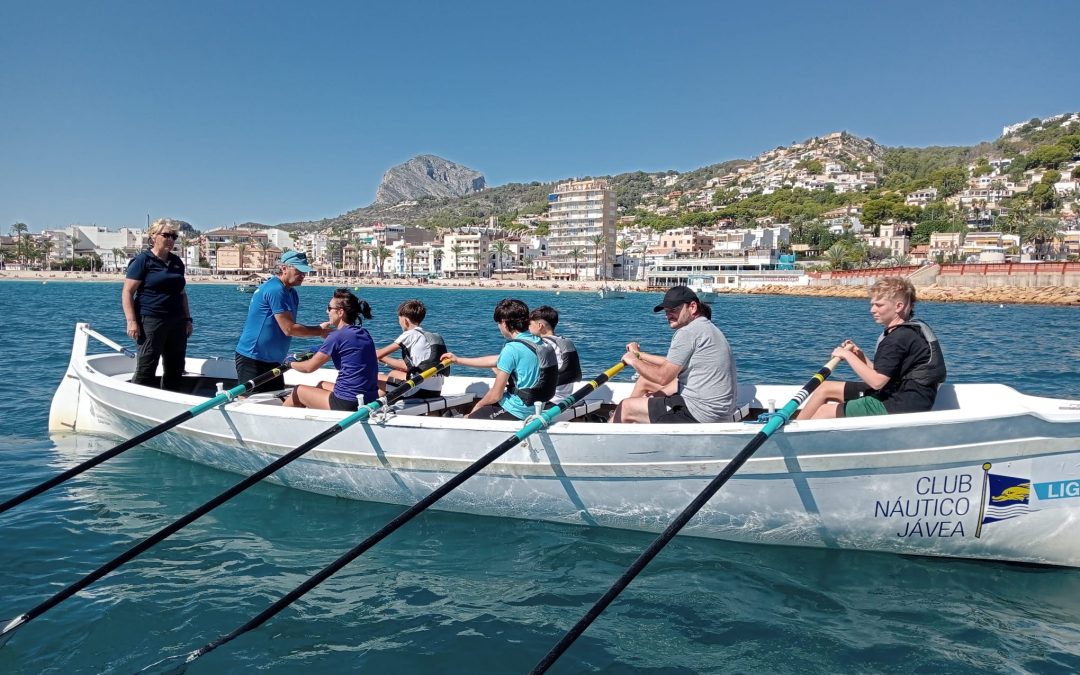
(998, 484)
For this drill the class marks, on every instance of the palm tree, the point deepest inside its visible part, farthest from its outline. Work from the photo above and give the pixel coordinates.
(624, 246)
(575, 254)
(598, 241)
(241, 250)
(437, 256)
(333, 254)
(456, 249)
(410, 255)
(1042, 233)
(118, 255)
(381, 254)
(264, 246)
(500, 248)
(837, 256)
(18, 230)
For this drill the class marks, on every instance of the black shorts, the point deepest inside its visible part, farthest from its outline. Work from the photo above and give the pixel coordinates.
(419, 393)
(492, 412)
(249, 369)
(342, 404)
(669, 410)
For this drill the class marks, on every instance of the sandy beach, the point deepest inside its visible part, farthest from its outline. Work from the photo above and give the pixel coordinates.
(1040, 295)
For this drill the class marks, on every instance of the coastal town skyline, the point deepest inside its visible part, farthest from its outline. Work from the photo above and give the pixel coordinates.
(265, 114)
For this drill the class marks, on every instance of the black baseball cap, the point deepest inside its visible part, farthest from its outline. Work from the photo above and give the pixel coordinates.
(676, 296)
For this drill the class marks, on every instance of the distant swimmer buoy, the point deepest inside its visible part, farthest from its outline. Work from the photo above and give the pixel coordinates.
(558, 292)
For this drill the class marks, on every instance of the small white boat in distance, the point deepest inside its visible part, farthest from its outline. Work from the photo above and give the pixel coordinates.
(703, 287)
(612, 293)
(989, 473)
(247, 288)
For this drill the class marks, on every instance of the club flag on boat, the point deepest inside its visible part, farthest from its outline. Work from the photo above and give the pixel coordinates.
(1003, 497)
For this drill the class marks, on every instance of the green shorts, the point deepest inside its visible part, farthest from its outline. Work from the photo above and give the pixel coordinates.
(864, 406)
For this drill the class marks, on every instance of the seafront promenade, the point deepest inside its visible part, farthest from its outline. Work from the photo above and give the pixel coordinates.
(1005, 294)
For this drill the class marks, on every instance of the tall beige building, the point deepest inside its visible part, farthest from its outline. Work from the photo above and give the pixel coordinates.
(578, 212)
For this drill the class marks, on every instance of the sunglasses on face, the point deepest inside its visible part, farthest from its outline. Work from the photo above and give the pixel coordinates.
(331, 308)
(169, 235)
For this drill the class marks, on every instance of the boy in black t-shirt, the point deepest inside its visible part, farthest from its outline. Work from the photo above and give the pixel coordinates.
(907, 366)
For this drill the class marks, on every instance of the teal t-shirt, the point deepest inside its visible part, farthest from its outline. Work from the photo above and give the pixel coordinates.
(519, 361)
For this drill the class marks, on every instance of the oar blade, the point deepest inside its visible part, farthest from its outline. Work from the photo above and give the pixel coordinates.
(170, 665)
(10, 627)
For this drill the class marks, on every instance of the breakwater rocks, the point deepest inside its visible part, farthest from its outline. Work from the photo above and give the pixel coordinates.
(1017, 295)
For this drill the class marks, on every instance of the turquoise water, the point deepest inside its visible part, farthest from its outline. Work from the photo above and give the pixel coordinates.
(463, 594)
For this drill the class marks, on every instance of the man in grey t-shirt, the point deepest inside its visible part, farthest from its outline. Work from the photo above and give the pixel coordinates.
(695, 382)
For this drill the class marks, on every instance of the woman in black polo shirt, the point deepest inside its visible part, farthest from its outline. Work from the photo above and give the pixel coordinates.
(156, 307)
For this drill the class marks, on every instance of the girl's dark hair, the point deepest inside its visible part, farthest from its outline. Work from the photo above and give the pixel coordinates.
(354, 307)
(515, 313)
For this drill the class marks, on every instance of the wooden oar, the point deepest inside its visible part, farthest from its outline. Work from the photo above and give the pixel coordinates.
(774, 422)
(223, 397)
(178, 664)
(165, 532)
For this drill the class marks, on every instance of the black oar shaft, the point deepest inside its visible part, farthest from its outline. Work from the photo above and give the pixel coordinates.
(682, 519)
(406, 515)
(138, 440)
(209, 506)
(94, 461)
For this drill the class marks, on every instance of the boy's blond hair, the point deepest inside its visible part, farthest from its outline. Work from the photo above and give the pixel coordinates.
(895, 288)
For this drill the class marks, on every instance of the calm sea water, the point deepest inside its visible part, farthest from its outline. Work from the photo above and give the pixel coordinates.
(462, 594)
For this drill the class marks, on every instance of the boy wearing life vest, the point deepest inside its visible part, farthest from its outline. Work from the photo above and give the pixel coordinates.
(542, 322)
(526, 369)
(907, 368)
(420, 350)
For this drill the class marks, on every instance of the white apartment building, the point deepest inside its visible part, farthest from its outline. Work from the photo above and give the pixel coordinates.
(578, 212)
(466, 254)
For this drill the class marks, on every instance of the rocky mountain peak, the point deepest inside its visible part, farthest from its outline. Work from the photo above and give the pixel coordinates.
(427, 176)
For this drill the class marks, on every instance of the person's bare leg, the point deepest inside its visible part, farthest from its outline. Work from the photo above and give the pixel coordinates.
(831, 391)
(306, 396)
(632, 411)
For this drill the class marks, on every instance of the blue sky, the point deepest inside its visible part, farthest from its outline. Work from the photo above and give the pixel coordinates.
(222, 112)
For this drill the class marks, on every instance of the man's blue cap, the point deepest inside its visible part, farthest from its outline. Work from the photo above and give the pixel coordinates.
(296, 259)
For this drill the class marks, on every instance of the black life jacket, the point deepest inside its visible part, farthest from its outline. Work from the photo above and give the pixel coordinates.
(418, 363)
(931, 373)
(545, 385)
(569, 364)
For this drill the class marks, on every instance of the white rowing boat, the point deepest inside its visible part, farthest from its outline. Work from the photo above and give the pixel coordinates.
(990, 473)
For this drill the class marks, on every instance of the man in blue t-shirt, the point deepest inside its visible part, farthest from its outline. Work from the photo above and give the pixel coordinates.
(271, 323)
(515, 364)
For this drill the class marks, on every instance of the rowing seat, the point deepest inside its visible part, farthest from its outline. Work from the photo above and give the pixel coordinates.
(424, 406)
(580, 410)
